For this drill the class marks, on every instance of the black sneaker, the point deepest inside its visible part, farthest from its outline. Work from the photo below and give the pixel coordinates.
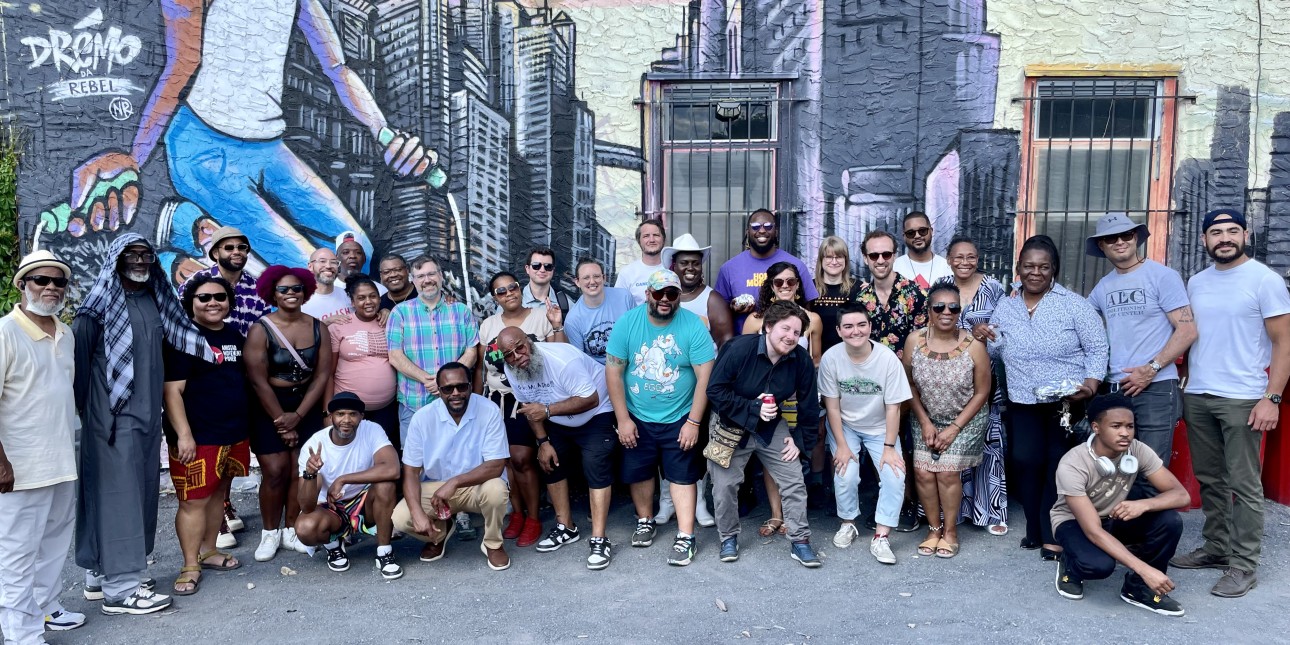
(337, 558)
(387, 565)
(1067, 585)
(908, 520)
(645, 532)
(602, 551)
(465, 530)
(1139, 595)
(682, 552)
(558, 537)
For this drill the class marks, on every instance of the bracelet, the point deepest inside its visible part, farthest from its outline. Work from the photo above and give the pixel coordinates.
(309, 475)
(548, 410)
(556, 330)
(956, 425)
(692, 421)
(889, 445)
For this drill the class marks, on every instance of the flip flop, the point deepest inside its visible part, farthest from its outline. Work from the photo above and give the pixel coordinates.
(928, 546)
(185, 578)
(946, 550)
(224, 558)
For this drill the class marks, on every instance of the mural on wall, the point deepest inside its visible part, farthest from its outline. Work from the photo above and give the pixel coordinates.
(297, 120)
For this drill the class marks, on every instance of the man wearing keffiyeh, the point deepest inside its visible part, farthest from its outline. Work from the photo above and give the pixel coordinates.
(120, 329)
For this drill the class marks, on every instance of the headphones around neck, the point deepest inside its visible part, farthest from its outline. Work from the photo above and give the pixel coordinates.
(1106, 467)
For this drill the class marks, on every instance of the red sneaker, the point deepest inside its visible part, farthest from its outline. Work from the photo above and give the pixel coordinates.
(531, 534)
(514, 526)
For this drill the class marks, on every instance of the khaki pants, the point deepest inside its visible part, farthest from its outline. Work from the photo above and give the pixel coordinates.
(488, 499)
(1225, 459)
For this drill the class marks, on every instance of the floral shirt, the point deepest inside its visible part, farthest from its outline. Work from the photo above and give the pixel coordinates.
(892, 321)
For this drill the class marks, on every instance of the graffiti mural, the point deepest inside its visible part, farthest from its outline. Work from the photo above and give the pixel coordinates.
(297, 120)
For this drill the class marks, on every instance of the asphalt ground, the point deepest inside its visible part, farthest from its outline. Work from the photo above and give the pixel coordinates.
(992, 592)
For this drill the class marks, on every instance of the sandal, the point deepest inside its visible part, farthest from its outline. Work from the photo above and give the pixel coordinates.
(946, 550)
(771, 527)
(998, 529)
(186, 578)
(928, 547)
(224, 559)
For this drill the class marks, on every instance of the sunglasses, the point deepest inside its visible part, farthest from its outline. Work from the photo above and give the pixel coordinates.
(237, 247)
(542, 266)
(454, 387)
(510, 288)
(146, 257)
(918, 232)
(953, 306)
(217, 297)
(781, 283)
(886, 255)
(294, 288)
(45, 280)
(667, 293)
(762, 226)
(1127, 236)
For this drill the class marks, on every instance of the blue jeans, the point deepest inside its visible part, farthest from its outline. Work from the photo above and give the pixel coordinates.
(891, 485)
(405, 418)
(1156, 411)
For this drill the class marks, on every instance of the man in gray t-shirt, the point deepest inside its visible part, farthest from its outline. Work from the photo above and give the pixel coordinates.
(1149, 325)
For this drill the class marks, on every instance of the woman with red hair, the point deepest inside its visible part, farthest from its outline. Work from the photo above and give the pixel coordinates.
(288, 362)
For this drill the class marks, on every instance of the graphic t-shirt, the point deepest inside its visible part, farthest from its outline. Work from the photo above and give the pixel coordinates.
(356, 456)
(924, 274)
(635, 278)
(589, 328)
(864, 389)
(744, 274)
(660, 362)
(1077, 476)
(566, 373)
(324, 305)
(216, 395)
(364, 361)
(1135, 305)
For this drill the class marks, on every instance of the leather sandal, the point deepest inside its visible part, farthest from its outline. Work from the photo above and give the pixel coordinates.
(186, 578)
(928, 547)
(223, 564)
(946, 550)
(771, 527)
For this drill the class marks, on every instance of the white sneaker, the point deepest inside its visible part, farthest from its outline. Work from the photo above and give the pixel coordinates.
(270, 542)
(225, 541)
(63, 620)
(881, 550)
(665, 511)
(701, 513)
(290, 541)
(845, 535)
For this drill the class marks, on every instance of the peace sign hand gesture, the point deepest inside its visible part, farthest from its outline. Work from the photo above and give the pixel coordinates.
(315, 462)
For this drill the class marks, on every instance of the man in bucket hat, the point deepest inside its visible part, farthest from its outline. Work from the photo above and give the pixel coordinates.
(37, 453)
(1149, 324)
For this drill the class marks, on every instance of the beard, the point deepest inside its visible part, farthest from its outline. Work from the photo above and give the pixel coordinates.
(41, 308)
(653, 310)
(1213, 254)
(762, 248)
(228, 265)
(140, 276)
(534, 370)
(325, 280)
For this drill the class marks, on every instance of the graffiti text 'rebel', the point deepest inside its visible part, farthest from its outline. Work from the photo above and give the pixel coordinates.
(85, 47)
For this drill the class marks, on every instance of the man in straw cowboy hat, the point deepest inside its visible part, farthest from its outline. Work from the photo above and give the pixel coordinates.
(37, 453)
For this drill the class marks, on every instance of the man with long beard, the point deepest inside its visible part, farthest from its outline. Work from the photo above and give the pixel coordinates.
(37, 453)
(120, 330)
(1232, 399)
(563, 395)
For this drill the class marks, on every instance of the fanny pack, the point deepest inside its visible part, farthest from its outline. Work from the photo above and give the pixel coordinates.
(722, 441)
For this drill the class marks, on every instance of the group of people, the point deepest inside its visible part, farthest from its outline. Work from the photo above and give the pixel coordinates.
(383, 406)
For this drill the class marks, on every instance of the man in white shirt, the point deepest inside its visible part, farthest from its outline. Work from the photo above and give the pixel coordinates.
(650, 236)
(1230, 401)
(347, 472)
(919, 263)
(453, 461)
(37, 453)
(327, 300)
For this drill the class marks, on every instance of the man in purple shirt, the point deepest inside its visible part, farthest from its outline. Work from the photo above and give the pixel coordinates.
(743, 274)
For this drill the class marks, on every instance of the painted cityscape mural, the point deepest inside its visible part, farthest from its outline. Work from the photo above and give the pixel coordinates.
(555, 124)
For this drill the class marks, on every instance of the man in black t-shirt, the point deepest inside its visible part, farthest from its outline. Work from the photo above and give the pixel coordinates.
(206, 429)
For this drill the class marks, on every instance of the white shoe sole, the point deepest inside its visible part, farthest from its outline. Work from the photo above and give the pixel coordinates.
(235, 525)
(483, 549)
(226, 541)
(1154, 610)
(132, 611)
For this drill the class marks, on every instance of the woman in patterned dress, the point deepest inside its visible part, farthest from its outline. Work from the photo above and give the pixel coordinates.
(949, 374)
(985, 487)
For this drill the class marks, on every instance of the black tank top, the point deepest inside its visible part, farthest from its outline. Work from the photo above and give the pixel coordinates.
(283, 366)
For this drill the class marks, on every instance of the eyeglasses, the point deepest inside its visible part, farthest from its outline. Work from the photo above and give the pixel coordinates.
(515, 351)
(237, 247)
(326, 263)
(46, 280)
(886, 255)
(834, 258)
(781, 283)
(1127, 236)
(918, 232)
(290, 288)
(450, 388)
(762, 226)
(147, 257)
(218, 296)
(510, 288)
(954, 307)
(385, 272)
(422, 276)
(964, 258)
(542, 266)
(667, 293)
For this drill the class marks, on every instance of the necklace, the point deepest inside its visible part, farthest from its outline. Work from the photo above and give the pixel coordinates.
(1031, 310)
(1131, 266)
(692, 289)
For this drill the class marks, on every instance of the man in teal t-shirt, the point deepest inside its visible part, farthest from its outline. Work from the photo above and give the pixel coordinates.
(658, 362)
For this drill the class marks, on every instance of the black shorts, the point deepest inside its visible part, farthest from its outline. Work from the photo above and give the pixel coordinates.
(518, 430)
(596, 440)
(657, 448)
(265, 439)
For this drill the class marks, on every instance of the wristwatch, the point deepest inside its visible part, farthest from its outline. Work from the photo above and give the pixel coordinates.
(1275, 398)
(1154, 365)
(309, 475)
(542, 440)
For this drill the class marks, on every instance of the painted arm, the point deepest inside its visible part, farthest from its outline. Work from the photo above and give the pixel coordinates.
(404, 154)
(183, 26)
(1184, 323)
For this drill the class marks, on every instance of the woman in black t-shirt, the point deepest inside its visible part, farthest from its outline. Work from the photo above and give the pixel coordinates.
(206, 429)
(837, 286)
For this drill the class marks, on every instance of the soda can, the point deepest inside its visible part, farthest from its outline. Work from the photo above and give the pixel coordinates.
(444, 512)
(768, 399)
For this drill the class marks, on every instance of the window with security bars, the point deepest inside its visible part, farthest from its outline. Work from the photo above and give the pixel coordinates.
(1092, 146)
(719, 148)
